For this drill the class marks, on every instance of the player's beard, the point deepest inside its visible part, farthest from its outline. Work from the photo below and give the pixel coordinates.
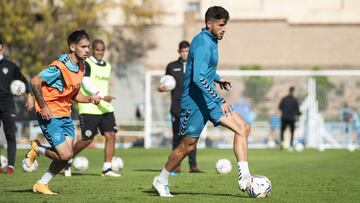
(80, 58)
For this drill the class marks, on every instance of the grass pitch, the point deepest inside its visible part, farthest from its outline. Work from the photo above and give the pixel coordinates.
(309, 176)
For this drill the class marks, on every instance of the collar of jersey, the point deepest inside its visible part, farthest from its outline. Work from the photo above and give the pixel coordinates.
(206, 31)
(64, 58)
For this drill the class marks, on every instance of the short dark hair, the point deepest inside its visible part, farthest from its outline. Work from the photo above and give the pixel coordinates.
(216, 12)
(184, 44)
(97, 41)
(77, 36)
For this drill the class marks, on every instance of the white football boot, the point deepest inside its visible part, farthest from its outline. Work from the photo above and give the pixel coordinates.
(244, 183)
(162, 189)
(110, 173)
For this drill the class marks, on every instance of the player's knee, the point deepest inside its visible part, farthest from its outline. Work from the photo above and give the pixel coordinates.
(87, 141)
(190, 148)
(66, 156)
(246, 129)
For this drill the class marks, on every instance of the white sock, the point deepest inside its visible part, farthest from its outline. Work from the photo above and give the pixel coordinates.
(41, 150)
(106, 165)
(46, 178)
(243, 169)
(163, 178)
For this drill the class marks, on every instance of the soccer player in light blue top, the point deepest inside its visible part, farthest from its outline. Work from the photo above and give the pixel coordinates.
(201, 103)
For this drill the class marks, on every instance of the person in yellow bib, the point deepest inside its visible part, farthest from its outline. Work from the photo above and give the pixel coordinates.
(101, 116)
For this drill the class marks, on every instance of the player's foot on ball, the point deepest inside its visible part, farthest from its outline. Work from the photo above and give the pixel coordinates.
(244, 183)
(110, 173)
(162, 189)
(32, 154)
(195, 170)
(43, 189)
(10, 170)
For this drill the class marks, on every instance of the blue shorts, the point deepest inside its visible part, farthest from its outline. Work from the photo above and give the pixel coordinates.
(56, 129)
(193, 121)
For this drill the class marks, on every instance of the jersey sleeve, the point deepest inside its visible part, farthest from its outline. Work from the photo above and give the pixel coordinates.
(52, 77)
(200, 63)
(217, 77)
(19, 76)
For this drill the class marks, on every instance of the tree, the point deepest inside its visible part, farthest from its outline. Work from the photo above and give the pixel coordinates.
(35, 32)
(132, 40)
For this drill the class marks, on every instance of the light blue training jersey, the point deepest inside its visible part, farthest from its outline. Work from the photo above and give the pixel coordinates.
(52, 75)
(199, 87)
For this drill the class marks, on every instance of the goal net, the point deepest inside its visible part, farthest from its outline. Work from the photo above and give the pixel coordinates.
(329, 102)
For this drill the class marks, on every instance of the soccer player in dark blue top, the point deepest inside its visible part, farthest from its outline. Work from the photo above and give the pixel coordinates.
(200, 102)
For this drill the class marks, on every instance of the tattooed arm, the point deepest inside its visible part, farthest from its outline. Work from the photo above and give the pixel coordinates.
(36, 86)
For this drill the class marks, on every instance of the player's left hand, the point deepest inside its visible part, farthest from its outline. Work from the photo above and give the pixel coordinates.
(224, 84)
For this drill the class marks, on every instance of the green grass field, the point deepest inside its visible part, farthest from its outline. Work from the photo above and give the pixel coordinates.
(310, 176)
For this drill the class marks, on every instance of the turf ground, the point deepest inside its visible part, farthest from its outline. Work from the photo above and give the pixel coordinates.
(310, 176)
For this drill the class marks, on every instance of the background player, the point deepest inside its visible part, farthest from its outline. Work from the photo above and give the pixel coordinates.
(9, 71)
(96, 80)
(54, 88)
(200, 102)
(289, 107)
(177, 70)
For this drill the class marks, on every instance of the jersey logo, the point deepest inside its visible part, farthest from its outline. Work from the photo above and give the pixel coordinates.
(192, 128)
(5, 70)
(177, 69)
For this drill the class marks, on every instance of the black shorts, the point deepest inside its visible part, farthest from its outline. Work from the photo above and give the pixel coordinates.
(90, 123)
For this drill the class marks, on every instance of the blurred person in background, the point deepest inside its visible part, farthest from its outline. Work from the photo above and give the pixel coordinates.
(177, 70)
(347, 117)
(9, 72)
(290, 110)
(96, 81)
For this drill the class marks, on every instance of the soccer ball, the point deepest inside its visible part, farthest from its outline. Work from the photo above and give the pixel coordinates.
(26, 168)
(168, 82)
(117, 164)
(4, 161)
(259, 186)
(223, 166)
(351, 147)
(81, 163)
(17, 87)
(299, 147)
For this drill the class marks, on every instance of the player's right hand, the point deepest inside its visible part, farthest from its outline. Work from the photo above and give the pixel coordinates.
(46, 113)
(226, 108)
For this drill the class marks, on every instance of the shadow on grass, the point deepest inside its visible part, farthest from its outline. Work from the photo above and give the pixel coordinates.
(147, 170)
(20, 191)
(85, 174)
(152, 192)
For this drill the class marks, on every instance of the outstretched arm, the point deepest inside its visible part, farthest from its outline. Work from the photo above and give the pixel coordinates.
(94, 99)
